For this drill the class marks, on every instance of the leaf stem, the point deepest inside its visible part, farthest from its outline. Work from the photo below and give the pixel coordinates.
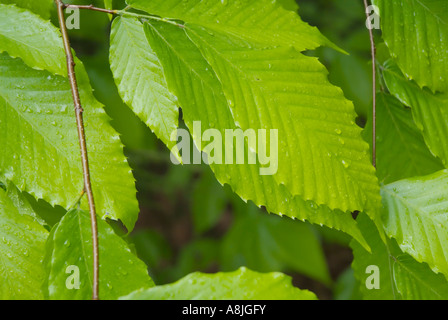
(373, 52)
(82, 143)
(76, 203)
(122, 13)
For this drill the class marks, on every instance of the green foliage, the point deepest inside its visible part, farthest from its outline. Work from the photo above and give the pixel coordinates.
(40, 7)
(69, 244)
(428, 109)
(289, 4)
(22, 244)
(401, 277)
(416, 282)
(244, 82)
(242, 284)
(40, 115)
(379, 256)
(34, 40)
(399, 141)
(249, 74)
(202, 254)
(140, 80)
(204, 99)
(233, 64)
(417, 35)
(269, 243)
(108, 4)
(209, 201)
(416, 216)
(347, 287)
(264, 22)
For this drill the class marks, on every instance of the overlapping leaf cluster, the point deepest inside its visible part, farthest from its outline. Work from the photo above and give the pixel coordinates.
(231, 65)
(412, 132)
(238, 65)
(40, 156)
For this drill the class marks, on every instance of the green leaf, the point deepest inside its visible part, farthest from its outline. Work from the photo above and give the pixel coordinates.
(269, 243)
(22, 245)
(401, 277)
(26, 35)
(352, 74)
(346, 286)
(416, 32)
(430, 111)
(379, 256)
(140, 80)
(415, 214)
(242, 284)
(314, 115)
(40, 7)
(399, 142)
(108, 4)
(40, 135)
(415, 281)
(289, 4)
(70, 244)
(209, 202)
(201, 97)
(198, 255)
(20, 201)
(264, 22)
(152, 248)
(134, 133)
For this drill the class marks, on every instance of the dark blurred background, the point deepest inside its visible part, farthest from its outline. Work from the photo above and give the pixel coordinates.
(188, 222)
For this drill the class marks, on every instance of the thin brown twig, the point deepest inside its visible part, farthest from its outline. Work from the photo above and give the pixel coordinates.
(83, 145)
(373, 52)
(89, 7)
